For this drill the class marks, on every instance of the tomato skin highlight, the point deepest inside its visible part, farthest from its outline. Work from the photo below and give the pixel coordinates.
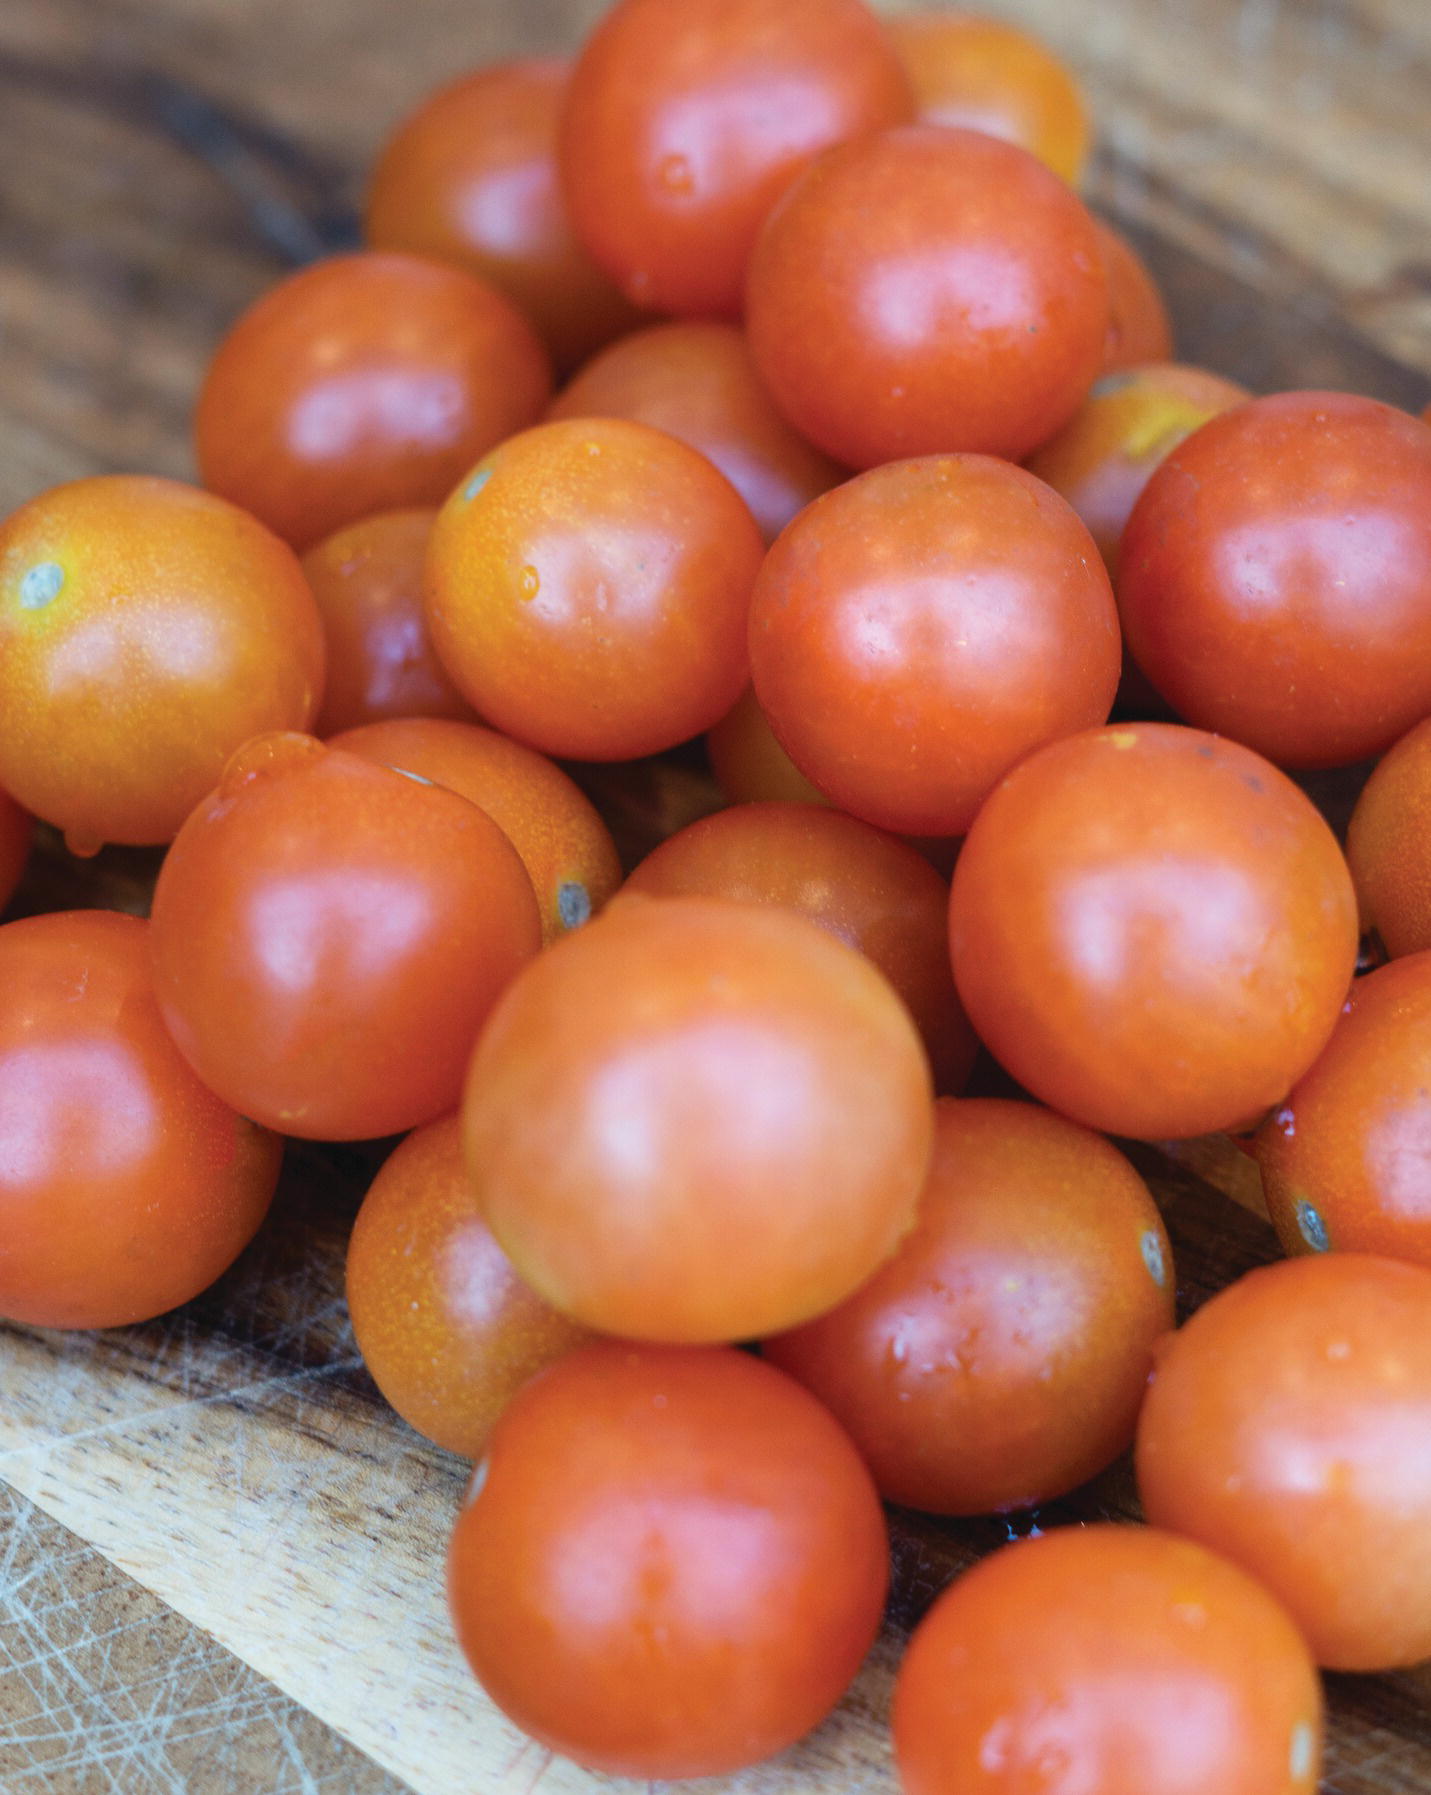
(671, 1562)
(126, 1187)
(646, 1085)
(1112, 1659)
(1000, 1358)
(1286, 1427)
(329, 936)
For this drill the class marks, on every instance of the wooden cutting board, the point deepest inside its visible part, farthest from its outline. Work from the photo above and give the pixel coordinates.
(220, 1555)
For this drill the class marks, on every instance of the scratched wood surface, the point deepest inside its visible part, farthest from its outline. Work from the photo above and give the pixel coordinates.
(220, 1556)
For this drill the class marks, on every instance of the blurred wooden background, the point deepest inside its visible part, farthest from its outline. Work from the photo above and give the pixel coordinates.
(220, 1557)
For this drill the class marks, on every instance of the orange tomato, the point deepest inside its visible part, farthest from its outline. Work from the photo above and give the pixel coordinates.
(565, 846)
(1389, 845)
(1139, 328)
(365, 383)
(748, 762)
(147, 630)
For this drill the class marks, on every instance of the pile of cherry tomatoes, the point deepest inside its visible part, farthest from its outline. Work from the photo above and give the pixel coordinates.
(871, 462)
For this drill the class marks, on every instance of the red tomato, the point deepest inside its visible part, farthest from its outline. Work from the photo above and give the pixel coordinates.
(928, 289)
(999, 1359)
(1276, 577)
(697, 382)
(587, 589)
(684, 124)
(328, 937)
(648, 1084)
(871, 891)
(918, 631)
(470, 178)
(671, 1562)
(1389, 845)
(126, 1187)
(566, 848)
(1153, 930)
(367, 580)
(748, 762)
(447, 1329)
(147, 629)
(365, 383)
(985, 75)
(1132, 420)
(1346, 1161)
(1109, 1659)
(1286, 1426)
(17, 830)
(1139, 328)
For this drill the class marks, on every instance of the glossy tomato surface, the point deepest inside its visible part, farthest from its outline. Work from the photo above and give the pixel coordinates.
(684, 124)
(697, 381)
(1127, 426)
(446, 1328)
(1276, 577)
(1000, 1357)
(1389, 845)
(1346, 1160)
(1139, 328)
(126, 1187)
(367, 581)
(923, 290)
(471, 178)
(587, 589)
(1153, 930)
(919, 630)
(147, 630)
(328, 937)
(365, 383)
(870, 890)
(1287, 1427)
(671, 1562)
(652, 1079)
(1111, 1659)
(565, 846)
(984, 75)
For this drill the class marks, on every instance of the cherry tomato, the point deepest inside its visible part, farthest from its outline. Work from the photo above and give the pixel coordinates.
(1111, 1659)
(985, 75)
(147, 629)
(17, 830)
(1286, 1426)
(365, 383)
(999, 1359)
(873, 892)
(671, 1562)
(367, 580)
(328, 937)
(1139, 328)
(925, 290)
(446, 1328)
(566, 848)
(587, 589)
(651, 1081)
(126, 1187)
(684, 124)
(1105, 455)
(920, 629)
(1346, 1161)
(697, 381)
(1153, 930)
(1276, 577)
(748, 762)
(1389, 845)
(471, 178)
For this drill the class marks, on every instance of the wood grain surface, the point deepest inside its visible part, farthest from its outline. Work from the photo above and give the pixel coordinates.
(220, 1555)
